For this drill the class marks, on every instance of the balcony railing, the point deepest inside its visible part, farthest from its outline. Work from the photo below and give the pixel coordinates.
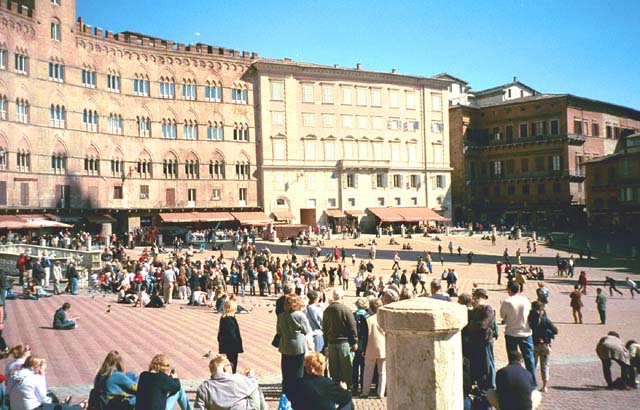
(480, 143)
(573, 176)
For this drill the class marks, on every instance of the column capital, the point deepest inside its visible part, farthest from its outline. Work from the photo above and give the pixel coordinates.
(423, 315)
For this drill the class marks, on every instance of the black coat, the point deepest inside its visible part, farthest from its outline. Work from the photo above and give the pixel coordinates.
(229, 339)
(318, 393)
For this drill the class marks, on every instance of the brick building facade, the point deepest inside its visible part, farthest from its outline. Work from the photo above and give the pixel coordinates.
(92, 122)
(522, 160)
(613, 189)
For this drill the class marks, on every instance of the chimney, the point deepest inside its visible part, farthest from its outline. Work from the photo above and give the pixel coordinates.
(515, 79)
(358, 66)
(393, 71)
(336, 66)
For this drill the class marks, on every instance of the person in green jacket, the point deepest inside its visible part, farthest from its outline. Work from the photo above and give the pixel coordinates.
(601, 303)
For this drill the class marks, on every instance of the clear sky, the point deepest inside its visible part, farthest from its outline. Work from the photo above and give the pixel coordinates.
(589, 48)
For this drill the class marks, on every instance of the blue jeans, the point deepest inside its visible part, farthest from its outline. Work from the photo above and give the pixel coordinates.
(525, 344)
(347, 406)
(74, 286)
(181, 398)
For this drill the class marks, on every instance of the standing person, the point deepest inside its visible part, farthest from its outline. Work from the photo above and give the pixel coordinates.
(481, 332)
(505, 255)
(344, 274)
(470, 258)
(374, 354)
(343, 255)
(57, 277)
(159, 388)
(360, 316)
(519, 256)
(632, 287)
(608, 281)
(60, 320)
(543, 331)
(543, 294)
(515, 388)
(611, 349)
(341, 337)
(582, 281)
(396, 261)
(576, 304)
(414, 280)
(514, 312)
(450, 246)
(168, 280)
(499, 270)
(181, 281)
(72, 277)
(292, 327)
(314, 316)
(229, 338)
(601, 304)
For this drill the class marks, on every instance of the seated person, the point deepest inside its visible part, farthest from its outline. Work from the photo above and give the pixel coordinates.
(155, 301)
(159, 388)
(198, 297)
(315, 391)
(393, 241)
(143, 297)
(514, 386)
(126, 297)
(220, 298)
(228, 390)
(30, 290)
(60, 320)
(241, 309)
(409, 247)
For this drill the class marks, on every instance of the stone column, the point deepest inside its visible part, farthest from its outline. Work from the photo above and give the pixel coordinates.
(424, 354)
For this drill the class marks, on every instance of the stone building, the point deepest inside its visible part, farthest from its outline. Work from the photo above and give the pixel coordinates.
(522, 160)
(613, 188)
(337, 141)
(93, 122)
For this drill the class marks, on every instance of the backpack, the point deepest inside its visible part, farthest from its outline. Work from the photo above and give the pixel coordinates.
(97, 401)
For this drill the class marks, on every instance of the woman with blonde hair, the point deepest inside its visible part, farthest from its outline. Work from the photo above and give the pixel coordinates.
(114, 382)
(292, 327)
(19, 353)
(159, 388)
(229, 338)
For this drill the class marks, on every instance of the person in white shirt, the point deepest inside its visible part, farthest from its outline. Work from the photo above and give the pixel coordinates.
(514, 312)
(27, 387)
(632, 287)
(168, 281)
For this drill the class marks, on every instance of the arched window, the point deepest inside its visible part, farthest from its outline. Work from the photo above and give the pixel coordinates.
(57, 114)
(217, 169)
(215, 131)
(23, 160)
(115, 124)
(59, 163)
(55, 30)
(241, 132)
(117, 167)
(90, 120)
(91, 165)
(239, 94)
(3, 107)
(22, 110)
(144, 126)
(167, 87)
(188, 89)
(213, 91)
(190, 130)
(192, 169)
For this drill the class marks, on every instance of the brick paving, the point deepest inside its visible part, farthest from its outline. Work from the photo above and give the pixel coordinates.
(186, 333)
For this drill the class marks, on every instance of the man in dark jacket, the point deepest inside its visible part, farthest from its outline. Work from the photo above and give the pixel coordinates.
(341, 337)
(37, 272)
(514, 386)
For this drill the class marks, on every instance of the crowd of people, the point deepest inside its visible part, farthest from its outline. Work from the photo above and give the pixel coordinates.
(329, 351)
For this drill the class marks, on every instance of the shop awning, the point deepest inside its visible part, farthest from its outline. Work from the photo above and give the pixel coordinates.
(178, 217)
(282, 215)
(45, 223)
(355, 213)
(407, 214)
(387, 214)
(213, 216)
(335, 213)
(100, 219)
(252, 218)
(29, 222)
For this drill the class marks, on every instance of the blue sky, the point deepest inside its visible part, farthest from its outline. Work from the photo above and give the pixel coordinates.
(588, 48)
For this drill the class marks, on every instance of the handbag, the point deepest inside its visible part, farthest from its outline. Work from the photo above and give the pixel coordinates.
(276, 341)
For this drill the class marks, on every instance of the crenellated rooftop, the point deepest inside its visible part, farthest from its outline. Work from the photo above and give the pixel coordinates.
(130, 38)
(17, 8)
